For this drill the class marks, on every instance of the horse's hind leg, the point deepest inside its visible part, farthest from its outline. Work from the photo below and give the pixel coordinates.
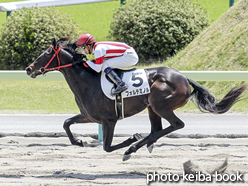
(73, 120)
(165, 98)
(175, 124)
(176, 92)
(156, 125)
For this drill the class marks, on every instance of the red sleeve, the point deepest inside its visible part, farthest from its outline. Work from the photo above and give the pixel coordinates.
(99, 60)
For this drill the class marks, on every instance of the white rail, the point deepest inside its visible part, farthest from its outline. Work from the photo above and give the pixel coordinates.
(43, 3)
(195, 75)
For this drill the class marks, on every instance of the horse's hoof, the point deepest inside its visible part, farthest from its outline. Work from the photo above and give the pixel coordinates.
(138, 136)
(126, 157)
(150, 147)
(84, 144)
(81, 143)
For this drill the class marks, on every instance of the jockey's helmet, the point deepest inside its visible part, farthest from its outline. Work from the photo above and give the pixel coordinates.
(85, 39)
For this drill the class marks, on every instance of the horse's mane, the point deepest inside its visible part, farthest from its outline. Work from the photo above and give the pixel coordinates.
(69, 45)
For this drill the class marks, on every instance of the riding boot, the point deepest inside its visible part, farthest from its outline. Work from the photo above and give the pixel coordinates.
(121, 86)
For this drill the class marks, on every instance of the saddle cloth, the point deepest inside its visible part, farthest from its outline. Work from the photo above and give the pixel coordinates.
(135, 79)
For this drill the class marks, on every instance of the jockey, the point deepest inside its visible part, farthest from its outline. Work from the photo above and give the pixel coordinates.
(108, 55)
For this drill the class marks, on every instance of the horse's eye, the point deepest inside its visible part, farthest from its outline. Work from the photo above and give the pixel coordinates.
(48, 51)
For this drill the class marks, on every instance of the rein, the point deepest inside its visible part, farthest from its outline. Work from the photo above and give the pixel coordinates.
(56, 54)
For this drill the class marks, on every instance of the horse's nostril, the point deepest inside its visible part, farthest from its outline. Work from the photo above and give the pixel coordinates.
(28, 69)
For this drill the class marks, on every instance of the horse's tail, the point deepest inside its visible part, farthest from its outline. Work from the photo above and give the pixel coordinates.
(207, 102)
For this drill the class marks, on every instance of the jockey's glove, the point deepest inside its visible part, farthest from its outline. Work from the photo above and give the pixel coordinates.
(81, 58)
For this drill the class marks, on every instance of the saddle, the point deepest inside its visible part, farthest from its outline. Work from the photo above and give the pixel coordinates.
(136, 80)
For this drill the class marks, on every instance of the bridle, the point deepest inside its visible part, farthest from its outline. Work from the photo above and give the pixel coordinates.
(56, 54)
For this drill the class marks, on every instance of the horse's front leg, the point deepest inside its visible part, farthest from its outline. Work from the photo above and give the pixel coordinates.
(108, 133)
(73, 120)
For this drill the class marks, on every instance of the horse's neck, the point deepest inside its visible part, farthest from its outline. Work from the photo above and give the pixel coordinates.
(79, 85)
(75, 79)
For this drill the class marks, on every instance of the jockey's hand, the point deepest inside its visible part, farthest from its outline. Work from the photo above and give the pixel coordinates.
(82, 58)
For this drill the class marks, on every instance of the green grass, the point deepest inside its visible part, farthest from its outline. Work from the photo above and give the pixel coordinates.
(47, 97)
(223, 46)
(36, 97)
(215, 8)
(95, 18)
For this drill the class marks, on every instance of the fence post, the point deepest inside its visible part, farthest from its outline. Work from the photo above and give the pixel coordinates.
(123, 2)
(8, 13)
(231, 2)
(100, 135)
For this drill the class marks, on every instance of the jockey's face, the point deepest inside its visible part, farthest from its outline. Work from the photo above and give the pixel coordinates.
(87, 49)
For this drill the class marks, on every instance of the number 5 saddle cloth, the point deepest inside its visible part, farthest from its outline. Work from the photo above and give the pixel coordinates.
(136, 80)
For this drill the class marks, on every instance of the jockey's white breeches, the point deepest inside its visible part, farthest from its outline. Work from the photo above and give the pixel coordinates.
(128, 59)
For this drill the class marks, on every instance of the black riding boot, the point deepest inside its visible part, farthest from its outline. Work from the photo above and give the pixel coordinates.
(121, 86)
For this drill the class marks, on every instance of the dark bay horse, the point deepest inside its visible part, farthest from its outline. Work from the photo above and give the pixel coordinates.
(169, 91)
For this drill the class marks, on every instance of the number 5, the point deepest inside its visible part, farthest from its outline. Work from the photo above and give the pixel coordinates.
(134, 78)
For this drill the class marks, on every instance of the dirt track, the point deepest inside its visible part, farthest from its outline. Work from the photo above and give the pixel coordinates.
(53, 161)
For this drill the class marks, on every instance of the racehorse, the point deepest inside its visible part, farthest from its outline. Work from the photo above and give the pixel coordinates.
(169, 90)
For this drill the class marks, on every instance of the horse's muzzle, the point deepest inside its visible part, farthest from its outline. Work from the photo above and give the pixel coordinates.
(29, 70)
(32, 73)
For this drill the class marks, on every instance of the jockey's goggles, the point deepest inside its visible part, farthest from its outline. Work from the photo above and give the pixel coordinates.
(83, 46)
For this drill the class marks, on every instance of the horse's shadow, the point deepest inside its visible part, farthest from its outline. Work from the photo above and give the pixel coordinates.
(120, 175)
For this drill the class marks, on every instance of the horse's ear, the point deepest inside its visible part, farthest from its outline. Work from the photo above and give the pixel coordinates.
(74, 46)
(54, 44)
